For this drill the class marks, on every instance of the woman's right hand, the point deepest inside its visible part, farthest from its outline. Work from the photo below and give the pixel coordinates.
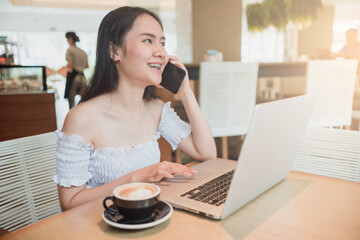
(156, 172)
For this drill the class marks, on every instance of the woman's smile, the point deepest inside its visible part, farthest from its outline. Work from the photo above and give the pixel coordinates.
(156, 66)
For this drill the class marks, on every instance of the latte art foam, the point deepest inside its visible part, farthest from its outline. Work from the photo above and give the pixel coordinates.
(137, 192)
(140, 193)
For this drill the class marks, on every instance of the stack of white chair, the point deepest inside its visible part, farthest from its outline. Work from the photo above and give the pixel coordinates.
(325, 150)
(27, 192)
(330, 152)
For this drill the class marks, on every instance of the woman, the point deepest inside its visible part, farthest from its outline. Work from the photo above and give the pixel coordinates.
(351, 50)
(111, 137)
(77, 61)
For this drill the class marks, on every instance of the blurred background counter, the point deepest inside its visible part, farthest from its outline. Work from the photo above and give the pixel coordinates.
(26, 106)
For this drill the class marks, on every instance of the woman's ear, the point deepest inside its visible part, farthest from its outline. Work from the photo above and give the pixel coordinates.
(114, 53)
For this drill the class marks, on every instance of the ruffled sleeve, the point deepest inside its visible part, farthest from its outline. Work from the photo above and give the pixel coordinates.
(171, 127)
(73, 159)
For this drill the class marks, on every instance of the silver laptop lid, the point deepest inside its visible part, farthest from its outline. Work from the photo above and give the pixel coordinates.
(269, 148)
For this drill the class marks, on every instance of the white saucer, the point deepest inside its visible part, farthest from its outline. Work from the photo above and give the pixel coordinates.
(163, 212)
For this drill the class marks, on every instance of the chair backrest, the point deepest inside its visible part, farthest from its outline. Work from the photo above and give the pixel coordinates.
(227, 94)
(27, 192)
(330, 152)
(332, 81)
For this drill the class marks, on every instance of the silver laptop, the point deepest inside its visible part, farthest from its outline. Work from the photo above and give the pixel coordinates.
(223, 186)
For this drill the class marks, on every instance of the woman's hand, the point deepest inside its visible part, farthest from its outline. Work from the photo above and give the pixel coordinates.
(156, 172)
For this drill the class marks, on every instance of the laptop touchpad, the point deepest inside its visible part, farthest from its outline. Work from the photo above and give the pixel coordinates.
(200, 176)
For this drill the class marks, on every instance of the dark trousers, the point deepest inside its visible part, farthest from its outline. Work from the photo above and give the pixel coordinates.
(75, 84)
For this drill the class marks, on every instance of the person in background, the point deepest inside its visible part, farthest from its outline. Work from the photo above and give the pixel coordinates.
(110, 138)
(77, 61)
(351, 50)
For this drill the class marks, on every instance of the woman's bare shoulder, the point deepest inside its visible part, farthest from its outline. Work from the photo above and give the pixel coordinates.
(80, 120)
(156, 104)
(155, 107)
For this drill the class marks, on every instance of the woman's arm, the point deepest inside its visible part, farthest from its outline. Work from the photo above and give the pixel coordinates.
(73, 196)
(200, 144)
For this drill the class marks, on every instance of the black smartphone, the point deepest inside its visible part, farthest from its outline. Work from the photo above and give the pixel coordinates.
(172, 77)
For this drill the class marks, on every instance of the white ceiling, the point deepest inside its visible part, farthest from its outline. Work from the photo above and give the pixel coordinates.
(87, 4)
(111, 4)
(58, 15)
(62, 15)
(8, 8)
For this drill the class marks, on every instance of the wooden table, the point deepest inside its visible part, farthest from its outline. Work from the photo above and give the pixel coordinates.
(303, 206)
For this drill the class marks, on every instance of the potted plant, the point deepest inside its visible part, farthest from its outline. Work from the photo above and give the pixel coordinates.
(255, 17)
(303, 12)
(278, 13)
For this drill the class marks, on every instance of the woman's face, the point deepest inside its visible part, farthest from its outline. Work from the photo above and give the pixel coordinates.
(351, 37)
(70, 41)
(143, 57)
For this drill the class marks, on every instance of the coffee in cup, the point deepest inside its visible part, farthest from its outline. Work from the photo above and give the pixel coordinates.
(134, 201)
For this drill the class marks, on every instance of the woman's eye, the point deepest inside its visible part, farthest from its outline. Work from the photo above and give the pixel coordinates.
(148, 41)
(162, 44)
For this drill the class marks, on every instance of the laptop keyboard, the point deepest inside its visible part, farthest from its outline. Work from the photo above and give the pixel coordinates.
(213, 192)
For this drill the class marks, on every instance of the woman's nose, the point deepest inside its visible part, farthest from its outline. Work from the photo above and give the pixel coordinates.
(160, 52)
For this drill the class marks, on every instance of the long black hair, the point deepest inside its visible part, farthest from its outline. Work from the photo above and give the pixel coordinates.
(112, 30)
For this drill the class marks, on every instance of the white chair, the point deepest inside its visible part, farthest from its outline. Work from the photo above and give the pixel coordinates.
(330, 152)
(332, 82)
(227, 96)
(27, 192)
